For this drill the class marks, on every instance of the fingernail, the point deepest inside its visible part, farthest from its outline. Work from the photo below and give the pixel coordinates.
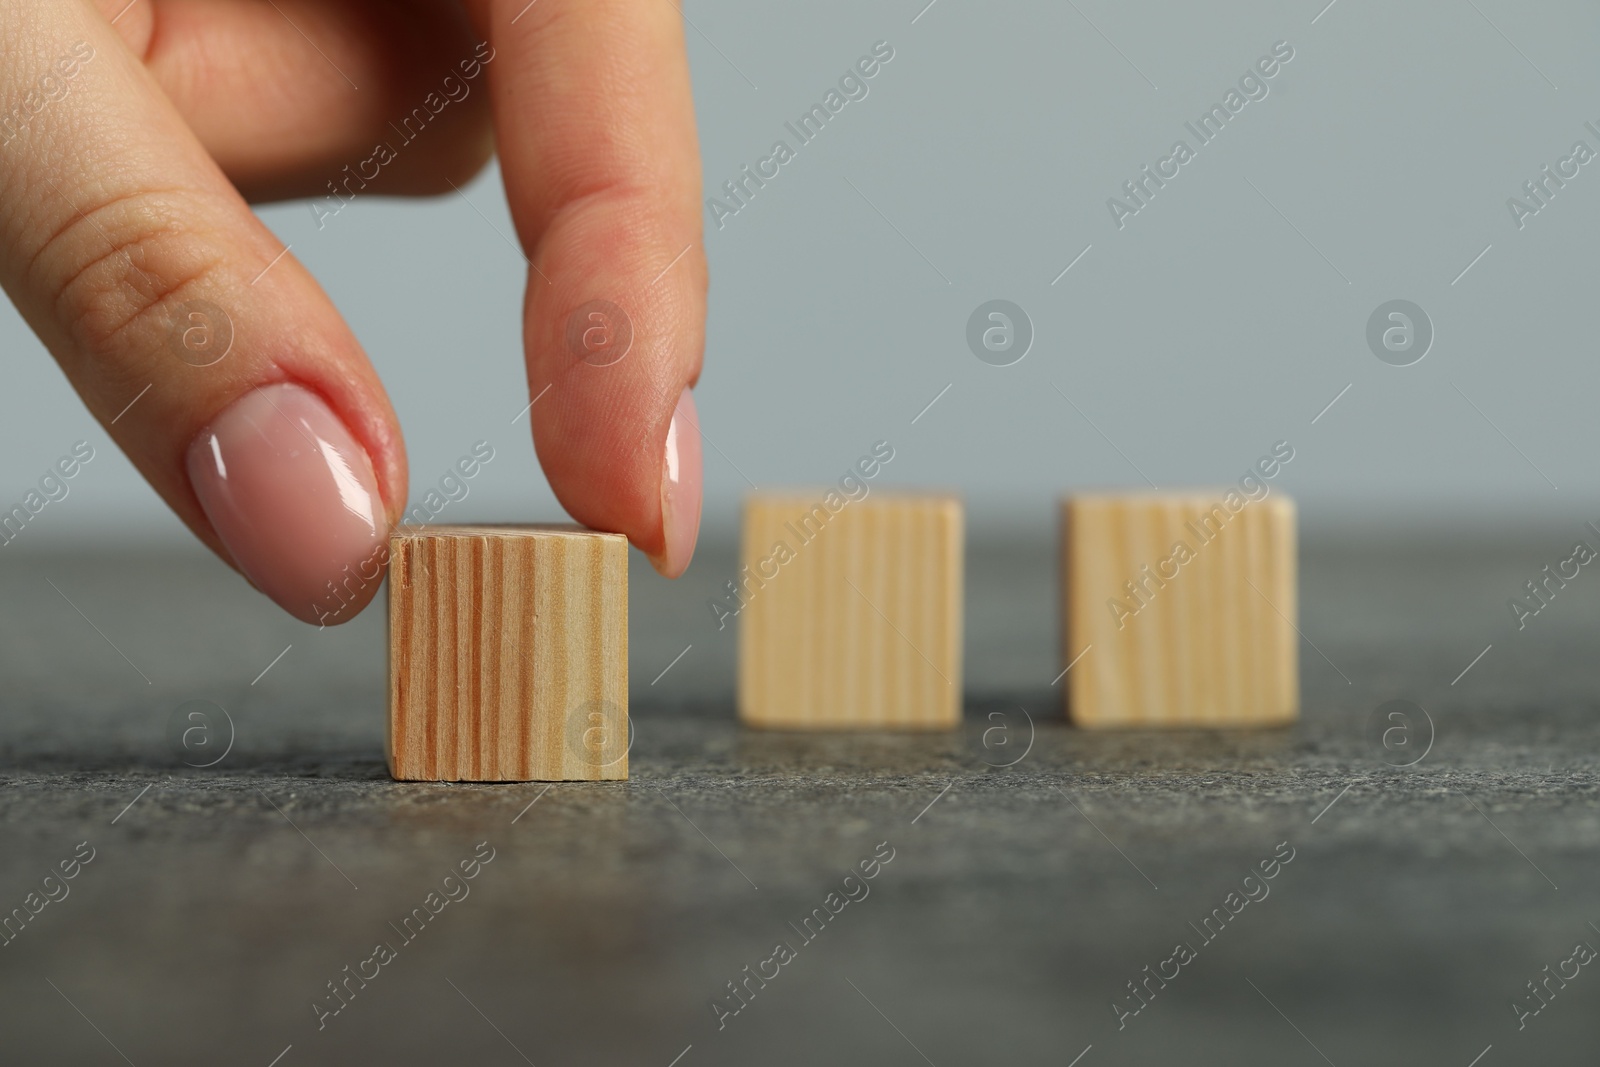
(294, 499)
(680, 489)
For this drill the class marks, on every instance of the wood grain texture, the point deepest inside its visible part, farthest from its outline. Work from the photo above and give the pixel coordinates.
(1204, 635)
(508, 654)
(852, 619)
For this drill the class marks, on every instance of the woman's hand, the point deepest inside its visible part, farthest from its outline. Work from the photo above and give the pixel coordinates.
(132, 136)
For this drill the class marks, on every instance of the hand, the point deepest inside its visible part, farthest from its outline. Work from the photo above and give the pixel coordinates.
(131, 135)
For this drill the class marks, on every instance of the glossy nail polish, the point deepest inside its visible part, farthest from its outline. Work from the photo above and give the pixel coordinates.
(681, 491)
(294, 498)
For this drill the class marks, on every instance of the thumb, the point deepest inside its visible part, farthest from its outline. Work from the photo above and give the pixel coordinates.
(208, 353)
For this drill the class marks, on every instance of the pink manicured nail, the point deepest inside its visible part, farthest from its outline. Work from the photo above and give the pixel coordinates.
(680, 489)
(295, 500)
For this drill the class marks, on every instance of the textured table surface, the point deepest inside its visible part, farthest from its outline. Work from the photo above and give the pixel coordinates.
(1019, 902)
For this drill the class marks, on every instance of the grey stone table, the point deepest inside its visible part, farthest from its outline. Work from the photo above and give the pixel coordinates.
(1019, 903)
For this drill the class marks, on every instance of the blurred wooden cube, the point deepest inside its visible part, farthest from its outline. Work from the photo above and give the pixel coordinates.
(508, 654)
(851, 618)
(1179, 611)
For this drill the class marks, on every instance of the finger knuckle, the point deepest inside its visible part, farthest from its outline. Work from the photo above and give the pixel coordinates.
(120, 267)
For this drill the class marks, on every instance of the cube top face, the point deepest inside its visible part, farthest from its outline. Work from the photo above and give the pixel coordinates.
(851, 611)
(1181, 608)
(508, 654)
(1186, 497)
(545, 531)
(802, 499)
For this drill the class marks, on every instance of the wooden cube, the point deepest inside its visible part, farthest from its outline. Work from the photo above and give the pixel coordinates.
(508, 654)
(851, 616)
(1180, 610)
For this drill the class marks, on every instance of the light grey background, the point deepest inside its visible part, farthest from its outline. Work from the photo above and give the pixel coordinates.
(1222, 318)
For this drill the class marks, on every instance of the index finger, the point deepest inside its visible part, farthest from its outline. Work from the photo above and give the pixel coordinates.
(595, 129)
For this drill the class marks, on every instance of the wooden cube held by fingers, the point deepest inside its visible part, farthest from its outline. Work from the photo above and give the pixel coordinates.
(850, 617)
(1179, 609)
(508, 654)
